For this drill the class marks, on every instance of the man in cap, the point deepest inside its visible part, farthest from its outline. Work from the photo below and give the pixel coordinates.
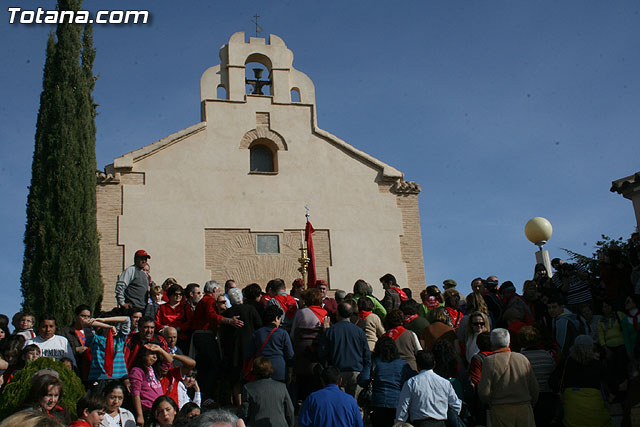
(132, 287)
(449, 284)
(328, 303)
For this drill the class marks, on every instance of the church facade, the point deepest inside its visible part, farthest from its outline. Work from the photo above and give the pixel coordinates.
(226, 197)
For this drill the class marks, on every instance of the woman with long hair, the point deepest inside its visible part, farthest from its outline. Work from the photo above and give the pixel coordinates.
(145, 379)
(163, 412)
(478, 323)
(116, 415)
(388, 373)
(474, 302)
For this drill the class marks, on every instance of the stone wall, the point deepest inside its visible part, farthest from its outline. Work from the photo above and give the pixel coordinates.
(231, 254)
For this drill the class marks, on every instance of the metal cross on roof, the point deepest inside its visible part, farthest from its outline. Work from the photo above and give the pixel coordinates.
(255, 21)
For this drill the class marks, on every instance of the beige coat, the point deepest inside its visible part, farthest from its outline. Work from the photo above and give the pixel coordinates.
(507, 378)
(372, 326)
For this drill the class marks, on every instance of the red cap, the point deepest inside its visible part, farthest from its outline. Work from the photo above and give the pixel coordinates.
(141, 253)
(321, 283)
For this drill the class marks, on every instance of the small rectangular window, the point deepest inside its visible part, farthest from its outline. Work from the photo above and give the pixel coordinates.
(268, 244)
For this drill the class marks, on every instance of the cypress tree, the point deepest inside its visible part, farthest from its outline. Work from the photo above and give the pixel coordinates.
(61, 258)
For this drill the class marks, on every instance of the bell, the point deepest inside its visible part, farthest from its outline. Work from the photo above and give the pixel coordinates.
(257, 72)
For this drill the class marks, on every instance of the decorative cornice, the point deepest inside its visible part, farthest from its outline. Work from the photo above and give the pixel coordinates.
(625, 184)
(107, 178)
(405, 187)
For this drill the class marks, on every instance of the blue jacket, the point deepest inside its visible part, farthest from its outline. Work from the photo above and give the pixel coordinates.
(278, 349)
(345, 347)
(388, 378)
(330, 407)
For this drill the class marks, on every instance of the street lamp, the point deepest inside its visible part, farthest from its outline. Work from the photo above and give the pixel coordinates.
(538, 230)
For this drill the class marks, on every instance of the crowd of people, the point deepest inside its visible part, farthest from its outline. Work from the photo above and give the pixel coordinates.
(559, 354)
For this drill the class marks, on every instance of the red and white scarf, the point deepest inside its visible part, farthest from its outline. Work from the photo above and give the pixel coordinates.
(395, 333)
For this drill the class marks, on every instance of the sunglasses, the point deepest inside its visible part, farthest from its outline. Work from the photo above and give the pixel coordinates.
(478, 323)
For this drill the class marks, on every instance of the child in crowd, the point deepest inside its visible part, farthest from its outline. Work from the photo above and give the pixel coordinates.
(91, 409)
(107, 348)
(24, 322)
(155, 301)
(145, 379)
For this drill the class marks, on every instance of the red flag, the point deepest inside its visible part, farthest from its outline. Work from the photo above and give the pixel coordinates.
(311, 268)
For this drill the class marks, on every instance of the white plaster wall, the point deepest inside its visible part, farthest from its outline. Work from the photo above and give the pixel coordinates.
(203, 182)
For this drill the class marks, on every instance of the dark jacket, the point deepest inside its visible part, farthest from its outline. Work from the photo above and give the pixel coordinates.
(235, 341)
(345, 347)
(266, 403)
(278, 349)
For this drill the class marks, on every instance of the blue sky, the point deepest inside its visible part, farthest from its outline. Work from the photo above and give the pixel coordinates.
(500, 110)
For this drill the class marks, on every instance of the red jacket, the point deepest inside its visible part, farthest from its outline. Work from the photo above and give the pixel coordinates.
(170, 383)
(169, 316)
(205, 317)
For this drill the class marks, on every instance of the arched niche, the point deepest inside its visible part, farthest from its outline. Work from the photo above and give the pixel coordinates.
(258, 61)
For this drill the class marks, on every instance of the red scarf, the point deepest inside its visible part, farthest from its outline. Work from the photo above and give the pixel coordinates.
(395, 333)
(401, 293)
(455, 316)
(320, 312)
(109, 354)
(409, 319)
(80, 423)
(363, 314)
(287, 303)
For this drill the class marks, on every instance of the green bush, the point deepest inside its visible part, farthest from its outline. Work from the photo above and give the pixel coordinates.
(14, 393)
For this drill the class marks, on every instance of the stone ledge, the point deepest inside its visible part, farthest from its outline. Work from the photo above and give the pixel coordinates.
(405, 187)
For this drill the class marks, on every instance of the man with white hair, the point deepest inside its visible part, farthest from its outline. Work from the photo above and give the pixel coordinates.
(508, 384)
(217, 418)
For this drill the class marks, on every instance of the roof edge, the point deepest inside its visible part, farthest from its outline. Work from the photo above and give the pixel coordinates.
(126, 161)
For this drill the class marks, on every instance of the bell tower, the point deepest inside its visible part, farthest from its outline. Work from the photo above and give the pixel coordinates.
(281, 78)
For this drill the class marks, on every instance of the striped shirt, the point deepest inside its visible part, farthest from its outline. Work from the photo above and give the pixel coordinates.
(97, 344)
(543, 365)
(578, 291)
